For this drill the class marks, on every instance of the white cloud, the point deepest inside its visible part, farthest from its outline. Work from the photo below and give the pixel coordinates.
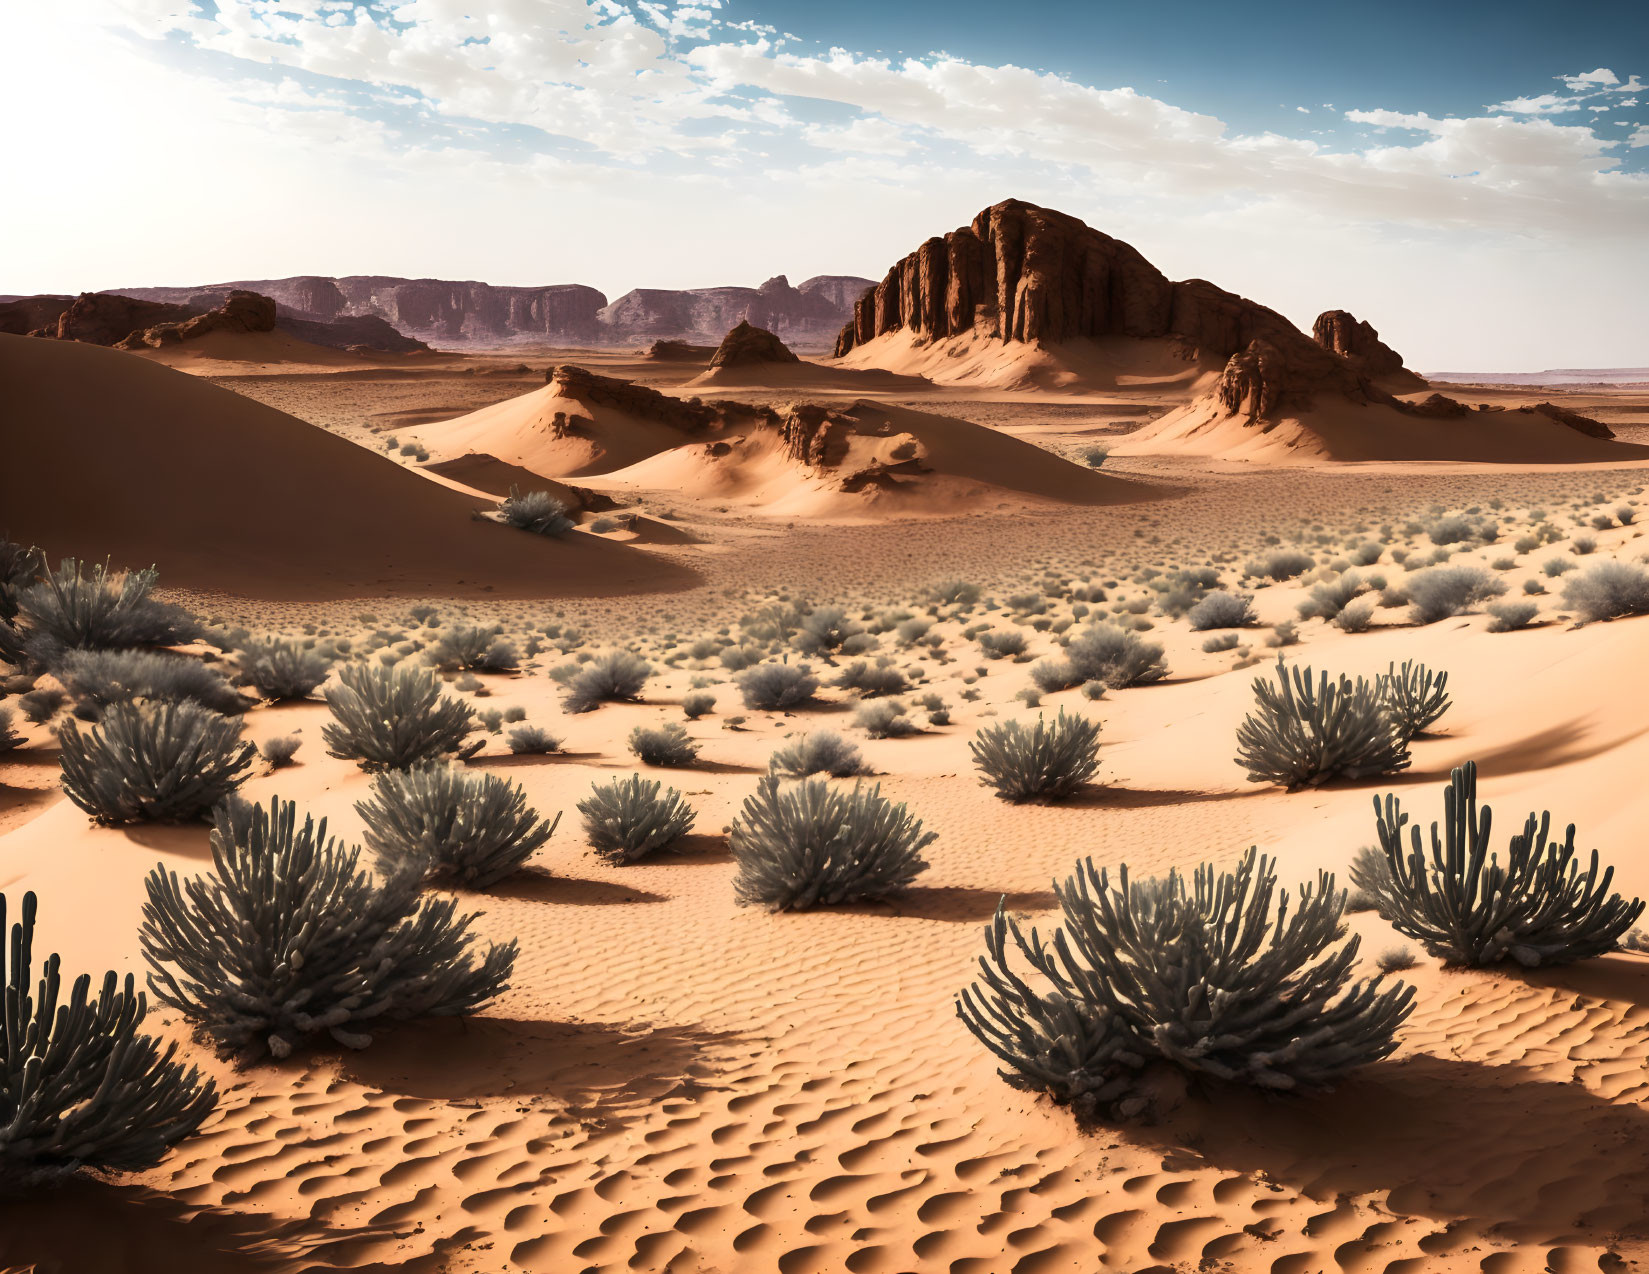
(1590, 79)
(868, 135)
(1544, 104)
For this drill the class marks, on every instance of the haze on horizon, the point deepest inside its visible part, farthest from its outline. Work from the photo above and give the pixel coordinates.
(1479, 192)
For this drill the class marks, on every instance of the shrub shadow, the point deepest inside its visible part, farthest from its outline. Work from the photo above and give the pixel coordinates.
(535, 884)
(963, 903)
(1107, 796)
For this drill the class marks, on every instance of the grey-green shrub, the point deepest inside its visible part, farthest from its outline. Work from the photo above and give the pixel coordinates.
(532, 740)
(884, 719)
(9, 738)
(1007, 643)
(1103, 652)
(1221, 610)
(668, 744)
(1414, 697)
(627, 819)
(697, 703)
(873, 680)
(535, 511)
(1049, 761)
(617, 675)
(161, 762)
(1506, 617)
(1609, 590)
(94, 608)
(807, 844)
(819, 752)
(442, 823)
(473, 649)
(395, 718)
(1445, 591)
(279, 669)
(355, 951)
(99, 678)
(1304, 733)
(1539, 905)
(1222, 979)
(280, 750)
(777, 687)
(81, 1087)
(1328, 599)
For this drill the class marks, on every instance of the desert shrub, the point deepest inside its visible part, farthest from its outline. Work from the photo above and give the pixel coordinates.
(738, 658)
(1053, 675)
(532, 740)
(95, 609)
(1414, 697)
(354, 950)
(1221, 979)
(1214, 645)
(616, 675)
(697, 703)
(1221, 610)
(279, 669)
(884, 719)
(1281, 564)
(1306, 733)
(820, 752)
(1356, 617)
(536, 511)
(667, 744)
(473, 649)
(160, 762)
(1506, 617)
(1557, 566)
(823, 630)
(1457, 899)
(1095, 455)
(777, 687)
(395, 718)
(41, 704)
(1459, 530)
(808, 844)
(1328, 599)
(627, 819)
(1284, 634)
(1445, 591)
(280, 750)
(1103, 652)
(9, 738)
(1048, 761)
(1394, 960)
(1625, 513)
(1009, 643)
(99, 678)
(20, 567)
(80, 1085)
(954, 593)
(439, 822)
(873, 680)
(1583, 545)
(1609, 590)
(908, 632)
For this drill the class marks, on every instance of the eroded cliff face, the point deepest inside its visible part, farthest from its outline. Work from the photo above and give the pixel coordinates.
(448, 312)
(1355, 339)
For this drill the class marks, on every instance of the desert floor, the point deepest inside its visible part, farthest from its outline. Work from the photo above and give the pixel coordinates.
(674, 1082)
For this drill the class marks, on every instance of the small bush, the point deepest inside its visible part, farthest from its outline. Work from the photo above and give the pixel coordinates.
(1009, 643)
(1328, 599)
(1221, 610)
(809, 844)
(94, 609)
(1102, 652)
(1047, 761)
(1506, 617)
(355, 951)
(697, 704)
(1095, 455)
(280, 670)
(825, 629)
(80, 1085)
(821, 752)
(1609, 590)
(532, 740)
(1464, 904)
(1414, 697)
(1583, 545)
(627, 819)
(99, 678)
(1557, 566)
(1216, 645)
(617, 675)
(1307, 733)
(777, 687)
(280, 750)
(473, 650)
(536, 511)
(40, 705)
(884, 719)
(163, 762)
(873, 680)
(667, 744)
(1445, 591)
(1282, 564)
(395, 718)
(9, 738)
(439, 822)
(1394, 960)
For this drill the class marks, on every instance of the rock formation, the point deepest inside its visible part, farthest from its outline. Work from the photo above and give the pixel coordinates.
(747, 344)
(240, 312)
(101, 318)
(21, 315)
(679, 352)
(1581, 424)
(448, 311)
(1356, 340)
(689, 415)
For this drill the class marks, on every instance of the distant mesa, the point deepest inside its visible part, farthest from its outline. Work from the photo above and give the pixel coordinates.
(448, 312)
(747, 344)
(239, 312)
(839, 460)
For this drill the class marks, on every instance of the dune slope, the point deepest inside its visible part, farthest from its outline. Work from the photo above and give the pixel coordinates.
(107, 452)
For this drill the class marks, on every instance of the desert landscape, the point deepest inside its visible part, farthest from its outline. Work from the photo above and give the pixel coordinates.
(983, 768)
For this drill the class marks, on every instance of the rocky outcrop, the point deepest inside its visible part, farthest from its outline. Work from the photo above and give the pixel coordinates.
(1573, 419)
(1356, 340)
(447, 311)
(363, 333)
(746, 344)
(102, 318)
(20, 315)
(689, 415)
(240, 312)
(679, 352)
(1436, 407)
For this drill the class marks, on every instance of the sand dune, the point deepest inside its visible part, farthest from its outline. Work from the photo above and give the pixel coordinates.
(1334, 428)
(812, 376)
(107, 453)
(979, 361)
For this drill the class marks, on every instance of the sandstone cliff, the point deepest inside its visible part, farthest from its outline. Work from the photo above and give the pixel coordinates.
(1345, 334)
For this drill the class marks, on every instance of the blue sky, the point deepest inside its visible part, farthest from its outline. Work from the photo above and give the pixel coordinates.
(1472, 178)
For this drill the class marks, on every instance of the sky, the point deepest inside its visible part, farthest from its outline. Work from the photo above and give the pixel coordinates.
(1472, 178)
